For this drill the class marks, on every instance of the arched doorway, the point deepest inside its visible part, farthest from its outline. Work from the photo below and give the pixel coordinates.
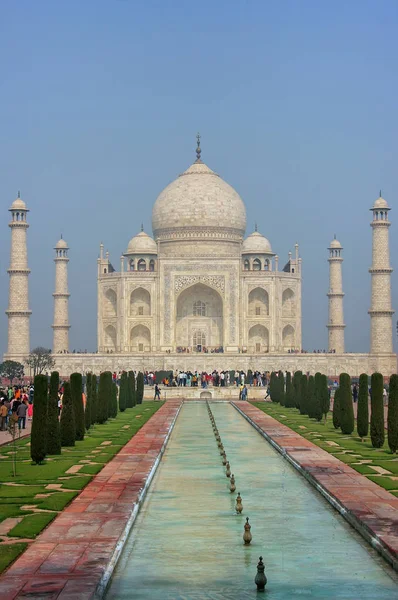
(110, 338)
(140, 339)
(258, 302)
(258, 339)
(140, 302)
(288, 338)
(199, 318)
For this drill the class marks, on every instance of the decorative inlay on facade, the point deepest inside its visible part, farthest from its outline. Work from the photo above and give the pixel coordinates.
(215, 281)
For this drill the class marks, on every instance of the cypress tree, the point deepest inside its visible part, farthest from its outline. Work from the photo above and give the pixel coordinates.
(123, 392)
(392, 417)
(324, 396)
(87, 412)
(311, 396)
(304, 394)
(133, 386)
(67, 423)
(94, 398)
(289, 391)
(140, 388)
(317, 397)
(363, 407)
(336, 409)
(53, 432)
(76, 388)
(281, 381)
(38, 437)
(377, 411)
(346, 408)
(274, 388)
(131, 390)
(297, 389)
(104, 396)
(113, 413)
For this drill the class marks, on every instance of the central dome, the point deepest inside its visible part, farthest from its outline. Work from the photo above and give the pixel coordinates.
(199, 204)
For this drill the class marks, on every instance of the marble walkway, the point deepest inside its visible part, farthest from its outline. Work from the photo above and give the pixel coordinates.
(368, 507)
(68, 559)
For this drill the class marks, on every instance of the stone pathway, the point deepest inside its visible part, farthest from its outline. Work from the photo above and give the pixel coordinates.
(369, 507)
(68, 559)
(5, 437)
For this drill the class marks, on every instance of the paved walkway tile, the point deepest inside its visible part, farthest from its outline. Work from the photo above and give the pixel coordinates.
(68, 558)
(374, 509)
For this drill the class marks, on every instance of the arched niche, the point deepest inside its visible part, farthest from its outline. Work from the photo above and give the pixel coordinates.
(258, 339)
(199, 307)
(140, 338)
(258, 303)
(110, 304)
(110, 338)
(288, 338)
(256, 264)
(140, 302)
(288, 303)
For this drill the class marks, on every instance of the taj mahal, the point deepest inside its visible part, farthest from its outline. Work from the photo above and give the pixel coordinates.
(200, 295)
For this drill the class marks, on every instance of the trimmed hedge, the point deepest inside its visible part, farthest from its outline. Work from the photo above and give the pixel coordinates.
(392, 417)
(281, 385)
(336, 409)
(304, 394)
(130, 390)
(67, 422)
(363, 407)
(140, 388)
(113, 405)
(104, 396)
(87, 412)
(94, 398)
(325, 396)
(297, 389)
(377, 411)
(123, 392)
(53, 431)
(38, 436)
(76, 388)
(346, 407)
(289, 399)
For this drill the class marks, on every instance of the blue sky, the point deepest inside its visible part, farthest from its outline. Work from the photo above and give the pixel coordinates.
(100, 102)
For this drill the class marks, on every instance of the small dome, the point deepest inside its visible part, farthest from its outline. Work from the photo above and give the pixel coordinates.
(141, 244)
(18, 204)
(61, 244)
(256, 243)
(380, 203)
(335, 244)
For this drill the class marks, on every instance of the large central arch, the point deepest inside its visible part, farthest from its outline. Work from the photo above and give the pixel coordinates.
(199, 315)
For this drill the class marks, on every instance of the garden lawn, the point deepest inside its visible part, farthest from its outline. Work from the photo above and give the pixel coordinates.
(378, 464)
(39, 492)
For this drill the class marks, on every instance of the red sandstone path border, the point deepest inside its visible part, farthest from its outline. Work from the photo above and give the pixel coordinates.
(365, 505)
(68, 560)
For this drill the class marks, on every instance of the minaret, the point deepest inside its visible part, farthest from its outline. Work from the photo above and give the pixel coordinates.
(336, 314)
(61, 299)
(18, 299)
(380, 311)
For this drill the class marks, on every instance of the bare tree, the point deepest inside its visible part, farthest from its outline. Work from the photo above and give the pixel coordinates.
(39, 360)
(10, 369)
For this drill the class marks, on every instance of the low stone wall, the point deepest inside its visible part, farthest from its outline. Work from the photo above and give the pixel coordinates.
(329, 364)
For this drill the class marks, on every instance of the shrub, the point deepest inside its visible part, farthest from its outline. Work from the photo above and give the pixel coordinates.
(94, 398)
(273, 386)
(67, 422)
(76, 388)
(113, 411)
(304, 394)
(346, 407)
(104, 396)
(392, 418)
(377, 411)
(363, 407)
(336, 409)
(53, 431)
(123, 392)
(140, 388)
(289, 401)
(87, 412)
(130, 390)
(281, 391)
(311, 396)
(316, 408)
(297, 389)
(38, 435)
(324, 396)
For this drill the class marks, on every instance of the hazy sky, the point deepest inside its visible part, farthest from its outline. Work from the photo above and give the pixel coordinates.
(296, 102)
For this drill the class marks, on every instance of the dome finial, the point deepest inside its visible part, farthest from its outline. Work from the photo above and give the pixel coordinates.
(142, 226)
(198, 149)
(255, 226)
(380, 194)
(334, 236)
(19, 194)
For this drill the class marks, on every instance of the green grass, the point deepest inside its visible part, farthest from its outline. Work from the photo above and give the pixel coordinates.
(32, 525)
(33, 479)
(9, 552)
(355, 449)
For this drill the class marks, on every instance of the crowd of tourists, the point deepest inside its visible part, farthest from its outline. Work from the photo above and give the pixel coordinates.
(16, 401)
